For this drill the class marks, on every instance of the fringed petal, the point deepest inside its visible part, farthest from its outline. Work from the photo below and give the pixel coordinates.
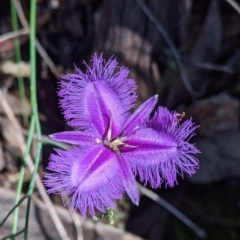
(140, 115)
(90, 176)
(128, 179)
(77, 138)
(116, 78)
(159, 153)
(150, 154)
(79, 91)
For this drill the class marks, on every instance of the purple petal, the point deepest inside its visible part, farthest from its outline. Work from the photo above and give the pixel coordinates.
(163, 120)
(147, 146)
(77, 138)
(153, 157)
(159, 156)
(95, 109)
(91, 177)
(111, 108)
(123, 87)
(74, 92)
(167, 122)
(128, 179)
(140, 115)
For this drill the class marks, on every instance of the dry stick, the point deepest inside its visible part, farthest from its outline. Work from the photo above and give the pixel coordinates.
(195, 228)
(39, 47)
(75, 217)
(22, 145)
(172, 46)
(78, 225)
(46, 140)
(76, 220)
(214, 67)
(234, 4)
(13, 34)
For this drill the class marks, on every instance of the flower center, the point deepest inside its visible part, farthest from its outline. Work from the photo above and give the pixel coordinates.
(114, 144)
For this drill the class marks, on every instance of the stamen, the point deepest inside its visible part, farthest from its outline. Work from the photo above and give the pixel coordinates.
(119, 141)
(109, 132)
(131, 146)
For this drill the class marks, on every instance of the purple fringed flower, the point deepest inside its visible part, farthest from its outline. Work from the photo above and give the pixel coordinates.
(111, 145)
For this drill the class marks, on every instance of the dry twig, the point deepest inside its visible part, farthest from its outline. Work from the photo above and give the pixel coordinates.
(213, 67)
(172, 46)
(22, 145)
(39, 47)
(198, 231)
(234, 4)
(9, 35)
(76, 220)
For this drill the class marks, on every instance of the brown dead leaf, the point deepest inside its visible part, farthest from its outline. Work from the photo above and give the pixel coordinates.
(2, 160)
(9, 136)
(15, 104)
(15, 69)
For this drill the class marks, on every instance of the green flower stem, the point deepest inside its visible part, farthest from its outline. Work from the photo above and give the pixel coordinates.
(35, 123)
(31, 186)
(18, 59)
(12, 236)
(34, 105)
(21, 176)
(12, 210)
(55, 144)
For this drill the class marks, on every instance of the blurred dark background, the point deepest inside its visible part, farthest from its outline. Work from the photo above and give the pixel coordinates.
(186, 51)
